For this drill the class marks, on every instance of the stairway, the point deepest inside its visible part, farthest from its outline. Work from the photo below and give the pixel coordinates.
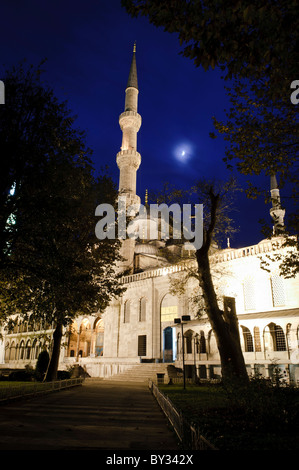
(142, 373)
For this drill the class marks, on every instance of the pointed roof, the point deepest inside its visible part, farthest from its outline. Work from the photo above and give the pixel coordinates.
(273, 182)
(132, 80)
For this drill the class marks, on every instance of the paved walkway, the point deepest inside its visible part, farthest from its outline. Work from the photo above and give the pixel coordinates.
(97, 415)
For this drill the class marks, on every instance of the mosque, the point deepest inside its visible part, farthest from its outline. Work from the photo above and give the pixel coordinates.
(150, 329)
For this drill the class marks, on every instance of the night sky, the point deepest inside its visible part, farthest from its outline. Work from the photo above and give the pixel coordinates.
(88, 46)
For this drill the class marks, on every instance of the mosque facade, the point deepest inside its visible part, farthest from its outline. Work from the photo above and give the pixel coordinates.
(144, 326)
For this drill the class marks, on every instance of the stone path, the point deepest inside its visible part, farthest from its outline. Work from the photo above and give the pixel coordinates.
(97, 415)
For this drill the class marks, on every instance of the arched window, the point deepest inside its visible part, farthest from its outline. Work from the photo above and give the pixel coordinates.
(85, 338)
(280, 339)
(28, 350)
(99, 343)
(142, 309)
(22, 347)
(274, 338)
(36, 347)
(73, 339)
(169, 308)
(188, 341)
(202, 343)
(248, 341)
(127, 312)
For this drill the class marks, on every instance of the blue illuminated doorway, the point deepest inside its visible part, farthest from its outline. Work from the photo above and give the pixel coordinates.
(169, 344)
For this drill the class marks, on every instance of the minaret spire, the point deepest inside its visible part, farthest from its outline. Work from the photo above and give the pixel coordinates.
(132, 80)
(128, 159)
(277, 212)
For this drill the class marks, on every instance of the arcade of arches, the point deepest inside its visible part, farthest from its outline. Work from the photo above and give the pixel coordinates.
(86, 339)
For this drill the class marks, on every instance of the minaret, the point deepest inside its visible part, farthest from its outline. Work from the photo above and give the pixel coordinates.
(128, 159)
(277, 212)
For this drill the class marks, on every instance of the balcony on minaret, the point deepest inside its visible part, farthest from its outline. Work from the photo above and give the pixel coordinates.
(130, 123)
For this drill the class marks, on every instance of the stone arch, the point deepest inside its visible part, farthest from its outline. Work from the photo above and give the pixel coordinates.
(202, 347)
(28, 349)
(84, 338)
(169, 308)
(274, 338)
(22, 350)
(247, 339)
(73, 339)
(188, 336)
(99, 337)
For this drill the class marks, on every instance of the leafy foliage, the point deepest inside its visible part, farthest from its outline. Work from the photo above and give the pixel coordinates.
(52, 265)
(263, 139)
(244, 38)
(255, 43)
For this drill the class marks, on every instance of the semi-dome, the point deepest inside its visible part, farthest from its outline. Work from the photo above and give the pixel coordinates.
(146, 249)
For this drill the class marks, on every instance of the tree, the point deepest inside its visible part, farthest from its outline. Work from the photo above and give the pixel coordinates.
(263, 139)
(53, 266)
(42, 364)
(223, 322)
(34, 126)
(249, 38)
(255, 43)
(218, 224)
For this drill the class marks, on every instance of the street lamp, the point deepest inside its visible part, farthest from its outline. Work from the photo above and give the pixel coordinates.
(183, 320)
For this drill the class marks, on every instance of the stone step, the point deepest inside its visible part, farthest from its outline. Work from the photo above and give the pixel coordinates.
(141, 373)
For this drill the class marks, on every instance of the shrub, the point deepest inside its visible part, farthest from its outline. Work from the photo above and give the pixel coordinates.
(41, 365)
(22, 375)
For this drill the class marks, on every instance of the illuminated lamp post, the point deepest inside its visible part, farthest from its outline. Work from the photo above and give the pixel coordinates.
(183, 320)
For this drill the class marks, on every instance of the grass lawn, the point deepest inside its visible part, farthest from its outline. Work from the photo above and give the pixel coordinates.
(13, 383)
(257, 418)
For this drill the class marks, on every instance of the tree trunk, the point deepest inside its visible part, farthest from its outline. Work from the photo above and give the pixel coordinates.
(53, 365)
(224, 324)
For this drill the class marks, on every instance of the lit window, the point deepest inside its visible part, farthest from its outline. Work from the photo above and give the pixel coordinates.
(142, 309)
(248, 341)
(249, 294)
(127, 312)
(278, 296)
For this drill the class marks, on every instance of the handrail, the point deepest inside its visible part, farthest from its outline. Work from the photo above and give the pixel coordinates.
(188, 433)
(27, 389)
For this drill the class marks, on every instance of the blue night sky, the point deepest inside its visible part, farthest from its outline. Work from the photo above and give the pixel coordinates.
(88, 46)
